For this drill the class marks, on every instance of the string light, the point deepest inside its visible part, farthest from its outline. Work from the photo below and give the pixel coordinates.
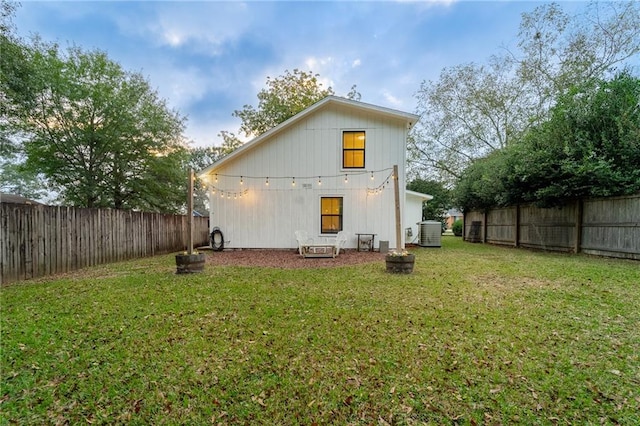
(227, 194)
(381, 187)
(371, 174)
(267, 181)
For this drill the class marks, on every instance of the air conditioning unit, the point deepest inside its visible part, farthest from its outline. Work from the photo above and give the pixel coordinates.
(430, 234)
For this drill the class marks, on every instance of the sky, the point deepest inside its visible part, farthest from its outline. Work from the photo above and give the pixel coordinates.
(208, 59)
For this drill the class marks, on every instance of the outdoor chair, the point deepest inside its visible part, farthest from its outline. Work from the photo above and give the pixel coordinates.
(341, 240)
(303, 239)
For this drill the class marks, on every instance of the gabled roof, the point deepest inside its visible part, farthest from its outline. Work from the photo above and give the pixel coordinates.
(16, 199)
(410, 119)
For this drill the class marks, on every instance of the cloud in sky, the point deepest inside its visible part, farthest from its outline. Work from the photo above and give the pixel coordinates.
(208, 59)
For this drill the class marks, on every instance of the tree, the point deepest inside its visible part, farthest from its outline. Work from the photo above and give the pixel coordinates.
(558, 52)
(284, 97)
(481, 184)
(200, 158)
(436, 208)
(7, 10)
(97, 132)
(473, 109)
(589, 147)
(15, 76)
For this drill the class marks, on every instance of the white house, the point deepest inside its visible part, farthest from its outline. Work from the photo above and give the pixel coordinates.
(328, 168)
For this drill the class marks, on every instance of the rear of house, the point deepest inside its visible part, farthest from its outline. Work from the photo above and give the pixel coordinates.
(327, 169)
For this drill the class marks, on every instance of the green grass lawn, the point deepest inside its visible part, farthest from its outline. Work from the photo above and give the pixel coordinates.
(476, 335)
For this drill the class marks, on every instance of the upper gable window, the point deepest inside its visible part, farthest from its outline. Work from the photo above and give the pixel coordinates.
(353, 143)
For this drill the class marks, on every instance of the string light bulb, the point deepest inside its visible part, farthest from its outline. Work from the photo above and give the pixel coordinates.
(293, 182)
(319, 181)
(346, 179)
(267, 182)
(371, 175)
(241, 181)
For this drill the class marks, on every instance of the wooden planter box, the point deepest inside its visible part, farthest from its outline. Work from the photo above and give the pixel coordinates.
(189, 263)
(400, 264)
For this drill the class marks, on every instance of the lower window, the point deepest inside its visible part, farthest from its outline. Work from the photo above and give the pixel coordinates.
(330, 215)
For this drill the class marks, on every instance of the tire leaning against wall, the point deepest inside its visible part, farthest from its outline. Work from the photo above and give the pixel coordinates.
(217, 239)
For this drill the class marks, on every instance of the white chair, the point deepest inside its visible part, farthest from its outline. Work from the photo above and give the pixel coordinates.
(303, 239)
(341, 240)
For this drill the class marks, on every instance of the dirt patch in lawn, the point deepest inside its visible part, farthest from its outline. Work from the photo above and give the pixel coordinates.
(289, 259)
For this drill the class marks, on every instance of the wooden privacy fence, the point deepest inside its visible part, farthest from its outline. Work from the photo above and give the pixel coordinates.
(602, 226)
(41, 240)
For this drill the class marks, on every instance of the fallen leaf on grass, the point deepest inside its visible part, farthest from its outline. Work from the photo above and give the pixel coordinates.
(383, 422)
(258, 400)
(407, 409)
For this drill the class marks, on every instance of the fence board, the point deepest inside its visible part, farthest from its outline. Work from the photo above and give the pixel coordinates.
(501, 226)
(42, 240)
(603, 226)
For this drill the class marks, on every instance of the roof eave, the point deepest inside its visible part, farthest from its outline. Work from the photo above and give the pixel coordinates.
(425, 197)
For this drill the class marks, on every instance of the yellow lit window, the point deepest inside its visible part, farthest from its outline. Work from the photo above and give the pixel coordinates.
(353, 144)
(330, 215)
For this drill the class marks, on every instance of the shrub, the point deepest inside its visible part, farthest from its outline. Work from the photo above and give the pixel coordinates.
(457, 228)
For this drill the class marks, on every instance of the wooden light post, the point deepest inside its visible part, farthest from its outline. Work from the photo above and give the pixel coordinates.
(190, 213)
(396, 191)
(190, 262)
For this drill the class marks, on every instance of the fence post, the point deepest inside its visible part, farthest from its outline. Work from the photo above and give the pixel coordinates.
(464, 227)
(484, 226)
(516, 243)
(578, 241)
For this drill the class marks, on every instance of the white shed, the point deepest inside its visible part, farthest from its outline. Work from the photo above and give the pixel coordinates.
(328, 168)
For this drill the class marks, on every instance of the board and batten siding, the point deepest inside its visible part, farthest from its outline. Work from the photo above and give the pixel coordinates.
(268, 216)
